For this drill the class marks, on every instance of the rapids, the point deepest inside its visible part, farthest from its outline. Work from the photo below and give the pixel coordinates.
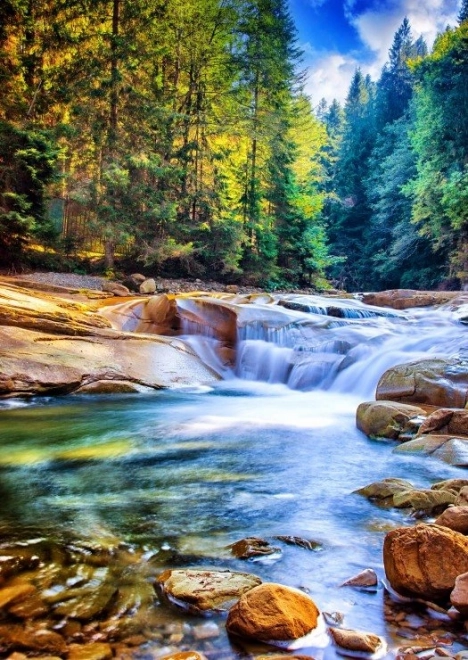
(269, 450)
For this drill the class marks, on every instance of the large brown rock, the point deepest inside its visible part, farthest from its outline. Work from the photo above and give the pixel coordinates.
(424, 561)
(386, 419)
(273, 613)
(446, 421)
(198, 590)
(459, 595)
(454, 517)
(435, 381)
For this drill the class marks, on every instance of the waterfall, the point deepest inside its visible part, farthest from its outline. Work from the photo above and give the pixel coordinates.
(304, 342)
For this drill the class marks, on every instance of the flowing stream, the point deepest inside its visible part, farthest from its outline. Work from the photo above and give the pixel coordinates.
(270, 450)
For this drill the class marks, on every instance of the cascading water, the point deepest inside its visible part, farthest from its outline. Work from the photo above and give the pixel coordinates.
(303, 347)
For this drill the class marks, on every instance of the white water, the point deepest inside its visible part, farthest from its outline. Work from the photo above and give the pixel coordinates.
(346, 355)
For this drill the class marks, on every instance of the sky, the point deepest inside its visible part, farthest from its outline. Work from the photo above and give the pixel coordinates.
(337, 36)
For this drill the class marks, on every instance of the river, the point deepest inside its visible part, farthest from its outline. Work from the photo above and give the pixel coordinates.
(182, 474)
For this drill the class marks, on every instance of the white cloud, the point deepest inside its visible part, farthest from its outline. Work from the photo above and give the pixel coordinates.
(329, 77)
(330, 73)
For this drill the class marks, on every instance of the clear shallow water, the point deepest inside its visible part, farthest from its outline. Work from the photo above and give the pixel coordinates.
(195, 471)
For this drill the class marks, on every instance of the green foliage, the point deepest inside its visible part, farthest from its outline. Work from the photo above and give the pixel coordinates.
(26, 167)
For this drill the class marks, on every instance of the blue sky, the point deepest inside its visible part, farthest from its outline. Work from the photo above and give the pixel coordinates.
(339, 35)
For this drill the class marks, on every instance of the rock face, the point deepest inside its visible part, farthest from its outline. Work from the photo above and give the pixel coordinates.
(387, 419)
(203, 591)
(273, 613)
(424, 561)
(53, 346)
(436, 382)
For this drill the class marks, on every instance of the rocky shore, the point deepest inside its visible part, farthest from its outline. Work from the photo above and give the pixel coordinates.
(82, 600)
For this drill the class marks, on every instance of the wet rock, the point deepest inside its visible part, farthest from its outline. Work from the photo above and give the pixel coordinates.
(459, 595)
(426, 500)
(96, 651)
(453, 452)
(356, 641)
(148, 286)
(14, 564)
(273, 613)
(423, 444)
(454, 517)
(252, 547)
(17, 592)
(86, 603)
(184, 655)
(462, 498)
(31, 639)
(365, 579)
(424, 561)
(386, 419)
(455, 485)
(307, 544)
(384, 490)
(201, 591)
(436, 381)
(116, 289)
(436, 421)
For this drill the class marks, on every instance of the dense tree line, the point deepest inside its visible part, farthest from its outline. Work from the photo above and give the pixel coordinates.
(179, 124)
(182, 128)
(397, 190)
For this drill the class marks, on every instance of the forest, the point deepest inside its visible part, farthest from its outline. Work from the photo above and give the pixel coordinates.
(180, 132)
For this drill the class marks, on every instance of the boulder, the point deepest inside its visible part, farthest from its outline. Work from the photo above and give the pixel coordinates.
(456, 485)
(386, 419)
(424, 561)
(116, 289)
(426, 500)
(133, 282)
(446, 421)
(148, 286)
(384, 490)
(356, 641)
(459, 595)
(435, 382)
(273, 613)
(199, 591)
(454, 517)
